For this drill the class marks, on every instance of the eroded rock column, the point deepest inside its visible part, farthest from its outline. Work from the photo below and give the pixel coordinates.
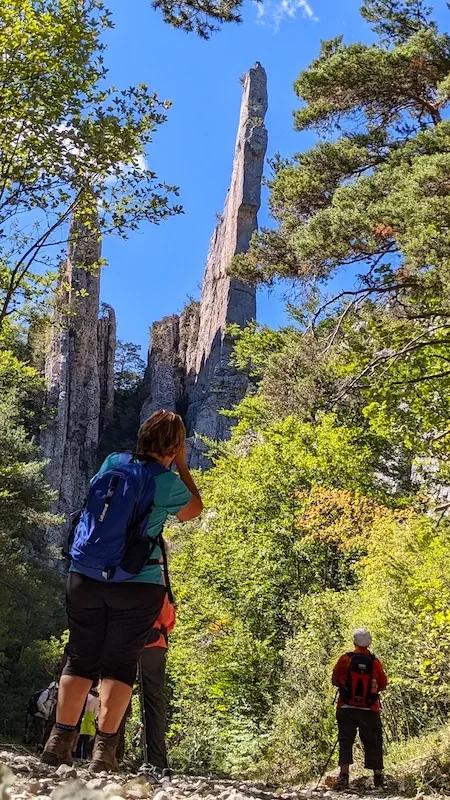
(213, 383)
(202, 348)
(75, 395)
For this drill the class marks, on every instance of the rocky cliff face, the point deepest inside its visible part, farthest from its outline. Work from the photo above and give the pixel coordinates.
(189, 358)
(78, 371)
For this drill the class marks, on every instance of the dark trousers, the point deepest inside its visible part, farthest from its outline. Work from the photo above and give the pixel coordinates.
(84, 746)
(109, 624)
(368, 723)
(153, 670)
(35, 730)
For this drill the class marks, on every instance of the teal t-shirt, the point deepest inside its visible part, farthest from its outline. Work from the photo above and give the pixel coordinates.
(171, 495)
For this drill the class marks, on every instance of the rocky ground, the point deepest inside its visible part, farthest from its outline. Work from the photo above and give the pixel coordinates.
(23, 777)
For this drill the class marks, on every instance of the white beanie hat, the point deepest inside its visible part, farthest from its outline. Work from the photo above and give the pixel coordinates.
(362, 638)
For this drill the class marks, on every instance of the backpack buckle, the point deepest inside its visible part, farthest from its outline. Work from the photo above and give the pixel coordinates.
(108, 573)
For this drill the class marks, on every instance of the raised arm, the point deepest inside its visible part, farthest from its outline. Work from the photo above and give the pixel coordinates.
(194, 508)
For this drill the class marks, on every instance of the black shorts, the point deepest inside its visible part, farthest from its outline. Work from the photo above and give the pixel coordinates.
(109, 624)
(368, 723)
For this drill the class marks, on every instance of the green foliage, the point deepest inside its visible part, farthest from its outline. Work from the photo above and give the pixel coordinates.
(203, 17)
(397, 20)
(129, 367)
(371, 195)
(421, 763)
(129, 395)
(404, 599)
(314, 522)
(303, 730)
(71, 143)
(241, 575)
(31, 593)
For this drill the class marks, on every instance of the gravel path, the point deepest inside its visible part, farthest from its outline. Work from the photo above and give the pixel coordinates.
(24, 777)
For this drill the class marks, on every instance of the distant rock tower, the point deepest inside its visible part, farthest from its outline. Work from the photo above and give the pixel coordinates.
(79, 372)
(189, 358)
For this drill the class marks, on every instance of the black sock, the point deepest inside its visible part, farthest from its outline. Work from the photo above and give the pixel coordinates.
(61, 727)
(105, 735)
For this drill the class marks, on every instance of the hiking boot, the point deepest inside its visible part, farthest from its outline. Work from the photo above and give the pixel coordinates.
(378, 781)
(341, 784)
(59, 747)
(153, 774)
(104, 754)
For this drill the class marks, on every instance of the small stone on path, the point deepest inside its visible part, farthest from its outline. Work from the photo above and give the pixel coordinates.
(161, 796)
(114, 789)
(96, 783)
(66, 772)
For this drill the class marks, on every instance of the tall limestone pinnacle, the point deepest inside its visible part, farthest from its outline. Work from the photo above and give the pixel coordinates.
(79, 371)
(189, 359)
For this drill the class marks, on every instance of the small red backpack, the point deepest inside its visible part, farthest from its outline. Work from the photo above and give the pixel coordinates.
(357, 691)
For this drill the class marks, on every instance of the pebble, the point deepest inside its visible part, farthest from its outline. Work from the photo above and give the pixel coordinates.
(71, 789)
(66, 772)
(115, 789)
(138, 788)
(161, 795)
(96, 783)
(23, 769)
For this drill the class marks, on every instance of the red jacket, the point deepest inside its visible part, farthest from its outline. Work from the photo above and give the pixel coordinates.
(165, 620)
(340, 672)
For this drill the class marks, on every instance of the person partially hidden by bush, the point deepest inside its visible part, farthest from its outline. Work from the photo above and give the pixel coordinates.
(39, 714)
(115, 587)
(152, 675)
(360, 677)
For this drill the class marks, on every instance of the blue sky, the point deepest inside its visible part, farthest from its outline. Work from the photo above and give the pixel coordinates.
(154, 272)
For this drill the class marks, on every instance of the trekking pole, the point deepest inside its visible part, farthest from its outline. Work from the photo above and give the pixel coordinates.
(326, 765)
(143, 715)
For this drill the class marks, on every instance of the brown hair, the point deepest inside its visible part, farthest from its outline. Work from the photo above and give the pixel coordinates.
(162, 434)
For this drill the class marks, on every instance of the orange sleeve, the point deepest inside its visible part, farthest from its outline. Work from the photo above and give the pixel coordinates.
(380, 675)
(166, 617)
(340, 671)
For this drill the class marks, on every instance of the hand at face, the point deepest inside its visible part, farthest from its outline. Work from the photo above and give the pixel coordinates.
(180, 459)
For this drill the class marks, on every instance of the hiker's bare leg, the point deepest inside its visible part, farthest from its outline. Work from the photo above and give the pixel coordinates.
(72, 693)
(114, 700)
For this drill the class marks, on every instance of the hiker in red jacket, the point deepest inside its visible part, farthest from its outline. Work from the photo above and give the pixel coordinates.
(360, 677)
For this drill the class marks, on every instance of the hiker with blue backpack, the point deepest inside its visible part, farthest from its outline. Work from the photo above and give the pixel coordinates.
(116, 586)
(359, 677)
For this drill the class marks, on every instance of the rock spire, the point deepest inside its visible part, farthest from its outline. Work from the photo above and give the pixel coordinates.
(189, 358)
(78, 371)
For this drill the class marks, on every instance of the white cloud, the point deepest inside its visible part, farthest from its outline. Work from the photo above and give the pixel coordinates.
(139, 163)
(274, 12)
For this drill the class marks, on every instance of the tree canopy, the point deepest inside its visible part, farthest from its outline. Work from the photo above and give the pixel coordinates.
(70, 143)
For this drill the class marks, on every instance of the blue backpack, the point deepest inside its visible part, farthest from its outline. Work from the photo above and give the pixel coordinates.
(109, 540)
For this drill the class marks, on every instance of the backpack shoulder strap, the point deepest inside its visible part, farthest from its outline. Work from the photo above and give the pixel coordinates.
(162, 545)
(155, 469)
